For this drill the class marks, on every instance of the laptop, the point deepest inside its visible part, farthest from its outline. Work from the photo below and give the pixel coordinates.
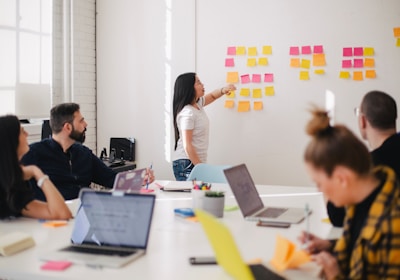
(250, 203)
(111, 229)
(129, 181)
(227, 253)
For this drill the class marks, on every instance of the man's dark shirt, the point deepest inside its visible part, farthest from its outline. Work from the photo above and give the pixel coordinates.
(70, 171)
(387, 154)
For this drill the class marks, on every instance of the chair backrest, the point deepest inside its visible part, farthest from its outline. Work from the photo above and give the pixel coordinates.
(46, 130)
(208, 173)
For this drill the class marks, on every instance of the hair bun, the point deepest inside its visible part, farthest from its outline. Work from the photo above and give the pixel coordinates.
(319, 122)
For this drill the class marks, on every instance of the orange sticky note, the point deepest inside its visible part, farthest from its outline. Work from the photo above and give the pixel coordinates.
(358, 76)
(344, 75)
(269, 91)
(229, 104)
(295, 62)
(252, 51)
(251, 62)
(55, 223)
(369, 62)
(319, 59)
(240, 50)
(232, 77)
(263, 61)
(244, 92)
(304, 75)
(244, 106)
(258, 105)
(257, 93)
(305, 63)
(370, 74)
(396, 32)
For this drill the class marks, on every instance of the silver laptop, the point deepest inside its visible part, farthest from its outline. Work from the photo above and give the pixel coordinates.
(129, 181)
(250, 203)
(111, 229)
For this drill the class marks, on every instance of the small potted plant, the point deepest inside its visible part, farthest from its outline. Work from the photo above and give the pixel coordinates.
(214, 202)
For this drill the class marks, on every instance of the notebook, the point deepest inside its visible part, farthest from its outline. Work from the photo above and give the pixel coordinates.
(111, 229)
(227, 253)
(129, 181)
(250, 203)
(178, 186)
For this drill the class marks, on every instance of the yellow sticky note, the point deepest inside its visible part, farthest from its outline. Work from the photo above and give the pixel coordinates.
(232, 77)
(370, 74)
(369, 62)
(344, 75)
(257, 93)
(305, 63)
(231, 94)
(396, 32)
(358, 76)
(252, 51)
(244, 106)
(398, 42)
(369, 51)
(244, 92)
(267, 50)
(269, 91)
(263, 61)
(240, 50)
(251, 62)
(319, 59)
(258, 106)
(295, 62)
(319, 71)
(229, 104)
(304, 75)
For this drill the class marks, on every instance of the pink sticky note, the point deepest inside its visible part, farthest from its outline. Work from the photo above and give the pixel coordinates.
(245, 79)
(229, 62)
(268, 77)
(318, 49)
(358, 63)
(294, 50)
(56, 265)
(347, 52)
(306, 50)
(256, 78)
(346, 63)
(231, 51)
(358, 51)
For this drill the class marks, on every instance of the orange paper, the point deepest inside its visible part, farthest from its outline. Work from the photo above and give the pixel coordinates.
(396, 32)
(295, 62)
(232, 77)
(258, 105)
(370, 74)
(319, 59)
(358, 76)
(229, 104)
(244, 106)
(286, 256)
(55, 223)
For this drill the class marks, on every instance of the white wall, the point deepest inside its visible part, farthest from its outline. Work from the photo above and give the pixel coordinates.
(143, 45)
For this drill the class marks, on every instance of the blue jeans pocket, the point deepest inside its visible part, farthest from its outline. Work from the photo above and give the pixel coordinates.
(182, 169)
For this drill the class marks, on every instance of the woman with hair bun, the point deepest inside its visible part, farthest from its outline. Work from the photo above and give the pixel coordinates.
(340, 165)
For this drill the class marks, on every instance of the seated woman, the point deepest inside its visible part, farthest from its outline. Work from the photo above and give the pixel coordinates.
(16, 195)
(340, 165)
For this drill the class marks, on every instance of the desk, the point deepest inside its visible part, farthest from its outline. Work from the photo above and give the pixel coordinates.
(129, 165)
(173, 240)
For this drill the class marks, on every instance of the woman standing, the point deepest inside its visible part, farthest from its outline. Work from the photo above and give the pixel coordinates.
(191, 123)
(16, 195)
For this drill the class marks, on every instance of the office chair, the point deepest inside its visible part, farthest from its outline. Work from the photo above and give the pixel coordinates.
(46, 130)
(208, 173)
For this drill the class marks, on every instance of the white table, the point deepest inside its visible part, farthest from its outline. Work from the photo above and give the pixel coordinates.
(173, 240)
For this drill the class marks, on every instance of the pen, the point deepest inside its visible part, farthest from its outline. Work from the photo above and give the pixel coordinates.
(307, 210)
(148, 177)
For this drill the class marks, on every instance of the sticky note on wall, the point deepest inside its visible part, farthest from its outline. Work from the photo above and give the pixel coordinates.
(244, 106)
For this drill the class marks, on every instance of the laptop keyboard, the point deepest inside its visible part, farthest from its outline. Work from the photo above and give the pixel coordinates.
(98, 251)
(272, 212)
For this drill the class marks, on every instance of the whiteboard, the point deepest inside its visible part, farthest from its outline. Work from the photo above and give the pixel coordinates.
(271, 141)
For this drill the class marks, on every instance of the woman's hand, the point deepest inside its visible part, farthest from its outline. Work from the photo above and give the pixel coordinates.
(314, 244)
(31, 171)
(228, 89)
(330, 267)
(148, 177)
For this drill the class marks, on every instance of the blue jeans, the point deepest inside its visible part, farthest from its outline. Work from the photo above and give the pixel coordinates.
(182, 169)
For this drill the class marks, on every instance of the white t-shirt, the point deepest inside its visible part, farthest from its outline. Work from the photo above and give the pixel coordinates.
(191, 118)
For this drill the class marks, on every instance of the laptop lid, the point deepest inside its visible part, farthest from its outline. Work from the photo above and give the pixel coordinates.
(113, 219)
(129, 181)
(244, 189)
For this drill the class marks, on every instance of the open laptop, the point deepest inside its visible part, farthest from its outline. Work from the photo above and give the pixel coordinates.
(111, 229)
(129, 181)
(227, 253)
(250, 203)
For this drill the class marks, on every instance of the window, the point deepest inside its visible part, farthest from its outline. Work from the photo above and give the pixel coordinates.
(25, 49)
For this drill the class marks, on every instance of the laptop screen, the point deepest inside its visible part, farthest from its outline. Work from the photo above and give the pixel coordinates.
(243, 188)
(113, 219)
(131, 180)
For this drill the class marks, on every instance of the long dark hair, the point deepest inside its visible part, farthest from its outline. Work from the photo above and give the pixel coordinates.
(12, 185)
(184, 94)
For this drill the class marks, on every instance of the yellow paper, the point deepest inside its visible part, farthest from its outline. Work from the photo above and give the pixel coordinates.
(229, 104)
(263, 61)
(286, 256)
(344, 75)
(370, 74)
(240, 50)
(257, 93)
(267, 50)
(305, 63)
(252, 51)
(244, 92)
(368, 51)
(398, 42)
(319, 59)
(269, 91)
(304, 75)
(232, 77)
(251, 62)
(295, 62)
(369, 62)
(231, 94)
(357, 75)
(244, 106)
(258, 105)
(319, 71)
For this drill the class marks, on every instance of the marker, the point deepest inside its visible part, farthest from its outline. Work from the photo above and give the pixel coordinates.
(148, 177)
